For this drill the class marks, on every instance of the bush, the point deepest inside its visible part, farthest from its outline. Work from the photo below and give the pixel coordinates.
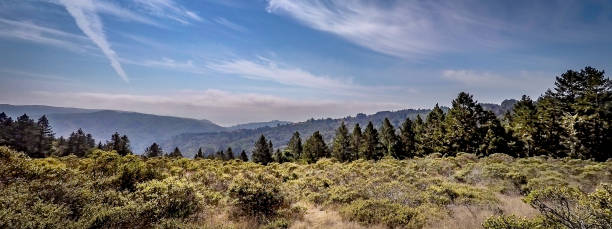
(168, 198)
(258, 196)
(371, 212)
(573, 208)
(512, 222)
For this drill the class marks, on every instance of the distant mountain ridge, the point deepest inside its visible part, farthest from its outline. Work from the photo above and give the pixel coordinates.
(244, 139)
(142, 129)
(191, 134)
(255, 125)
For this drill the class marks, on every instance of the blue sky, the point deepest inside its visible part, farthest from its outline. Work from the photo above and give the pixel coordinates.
(242, 61)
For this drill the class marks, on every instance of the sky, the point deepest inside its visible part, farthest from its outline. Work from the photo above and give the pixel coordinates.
(258, 60)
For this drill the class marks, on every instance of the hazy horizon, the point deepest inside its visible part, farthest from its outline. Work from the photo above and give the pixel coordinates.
(235, 62)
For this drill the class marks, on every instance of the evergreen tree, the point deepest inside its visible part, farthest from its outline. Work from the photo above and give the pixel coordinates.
(100, 146)
(342, 144)
(419, 132)
(121, 144)
(370, 145)
(461, 123)
(433, 132)
(315, 148)
(199, 154)
(523, 124)
(494, 136)
(79, 144)
(153, 151)
(261, 152)
(407, 139)
(25, 135)
(549, 115)
(244, 156)
(229, 154)
(176, 153)
(279, 156)
(585, 98)
(356, 141)
(6, 130)
(60, 147)
(45, 138)
(294, 147)
(389, 140)
(220, 155)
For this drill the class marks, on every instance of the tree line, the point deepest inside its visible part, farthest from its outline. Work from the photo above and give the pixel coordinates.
(571, 120)
(37, 140)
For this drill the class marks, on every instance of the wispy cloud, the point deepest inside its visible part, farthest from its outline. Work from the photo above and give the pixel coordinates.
(271, 71)
(86, 17)
(169, 9)
(229, 24)
(25, 30)
(418, 29)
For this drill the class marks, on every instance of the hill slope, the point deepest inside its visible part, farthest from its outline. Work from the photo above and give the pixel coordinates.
(280, 135)
(142, 129)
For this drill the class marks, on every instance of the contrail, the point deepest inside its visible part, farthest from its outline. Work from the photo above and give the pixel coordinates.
(84, 13)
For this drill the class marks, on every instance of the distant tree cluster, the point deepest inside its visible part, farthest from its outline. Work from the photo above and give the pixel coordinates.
(37, 140)
(571, 120)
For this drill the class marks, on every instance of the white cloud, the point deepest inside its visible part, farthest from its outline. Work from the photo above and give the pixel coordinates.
(270, 71)
(421, 29)
(169, 9)
(229, 24)
(219, 106)
(86, 17)
(29, 31)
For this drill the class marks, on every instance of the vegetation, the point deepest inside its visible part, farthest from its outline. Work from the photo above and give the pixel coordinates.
(105, 190)
(552, 154)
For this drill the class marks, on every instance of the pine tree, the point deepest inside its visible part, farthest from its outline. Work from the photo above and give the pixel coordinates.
(315, 148)
(121, 144)
(244, 156)
(494, 136)
(44, 138)
(79, 143)
(199, 154)
(523, 124)
(419, 132)
(389, 140)
(220, 155)
(370, 145)
(153, 151)
(176, 153)
(229, 154)
(461, 123)
(550, 117)
(407, 139)
(261, 152)
(342, 144)
(433, 132)
(294, 147)
(25, 135)
(356, 141)
(6, 130)
(585, 99)
(100, 146)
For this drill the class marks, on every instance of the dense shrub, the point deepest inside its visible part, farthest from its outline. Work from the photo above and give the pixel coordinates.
(379, 212)
(512, 222)
(258, 196)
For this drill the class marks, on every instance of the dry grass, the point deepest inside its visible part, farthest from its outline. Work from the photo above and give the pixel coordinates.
(463, 217)
(316, 217)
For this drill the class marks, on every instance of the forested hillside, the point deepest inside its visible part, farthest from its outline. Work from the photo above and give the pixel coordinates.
(280, 135)
(143, 129)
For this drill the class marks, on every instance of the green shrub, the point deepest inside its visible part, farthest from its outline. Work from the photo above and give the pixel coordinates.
(512, 222)
(258, 196)
(168, 198)
(380, 211)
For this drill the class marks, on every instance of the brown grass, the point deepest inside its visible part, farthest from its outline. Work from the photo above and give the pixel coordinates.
(316, 217)
(466, 217)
